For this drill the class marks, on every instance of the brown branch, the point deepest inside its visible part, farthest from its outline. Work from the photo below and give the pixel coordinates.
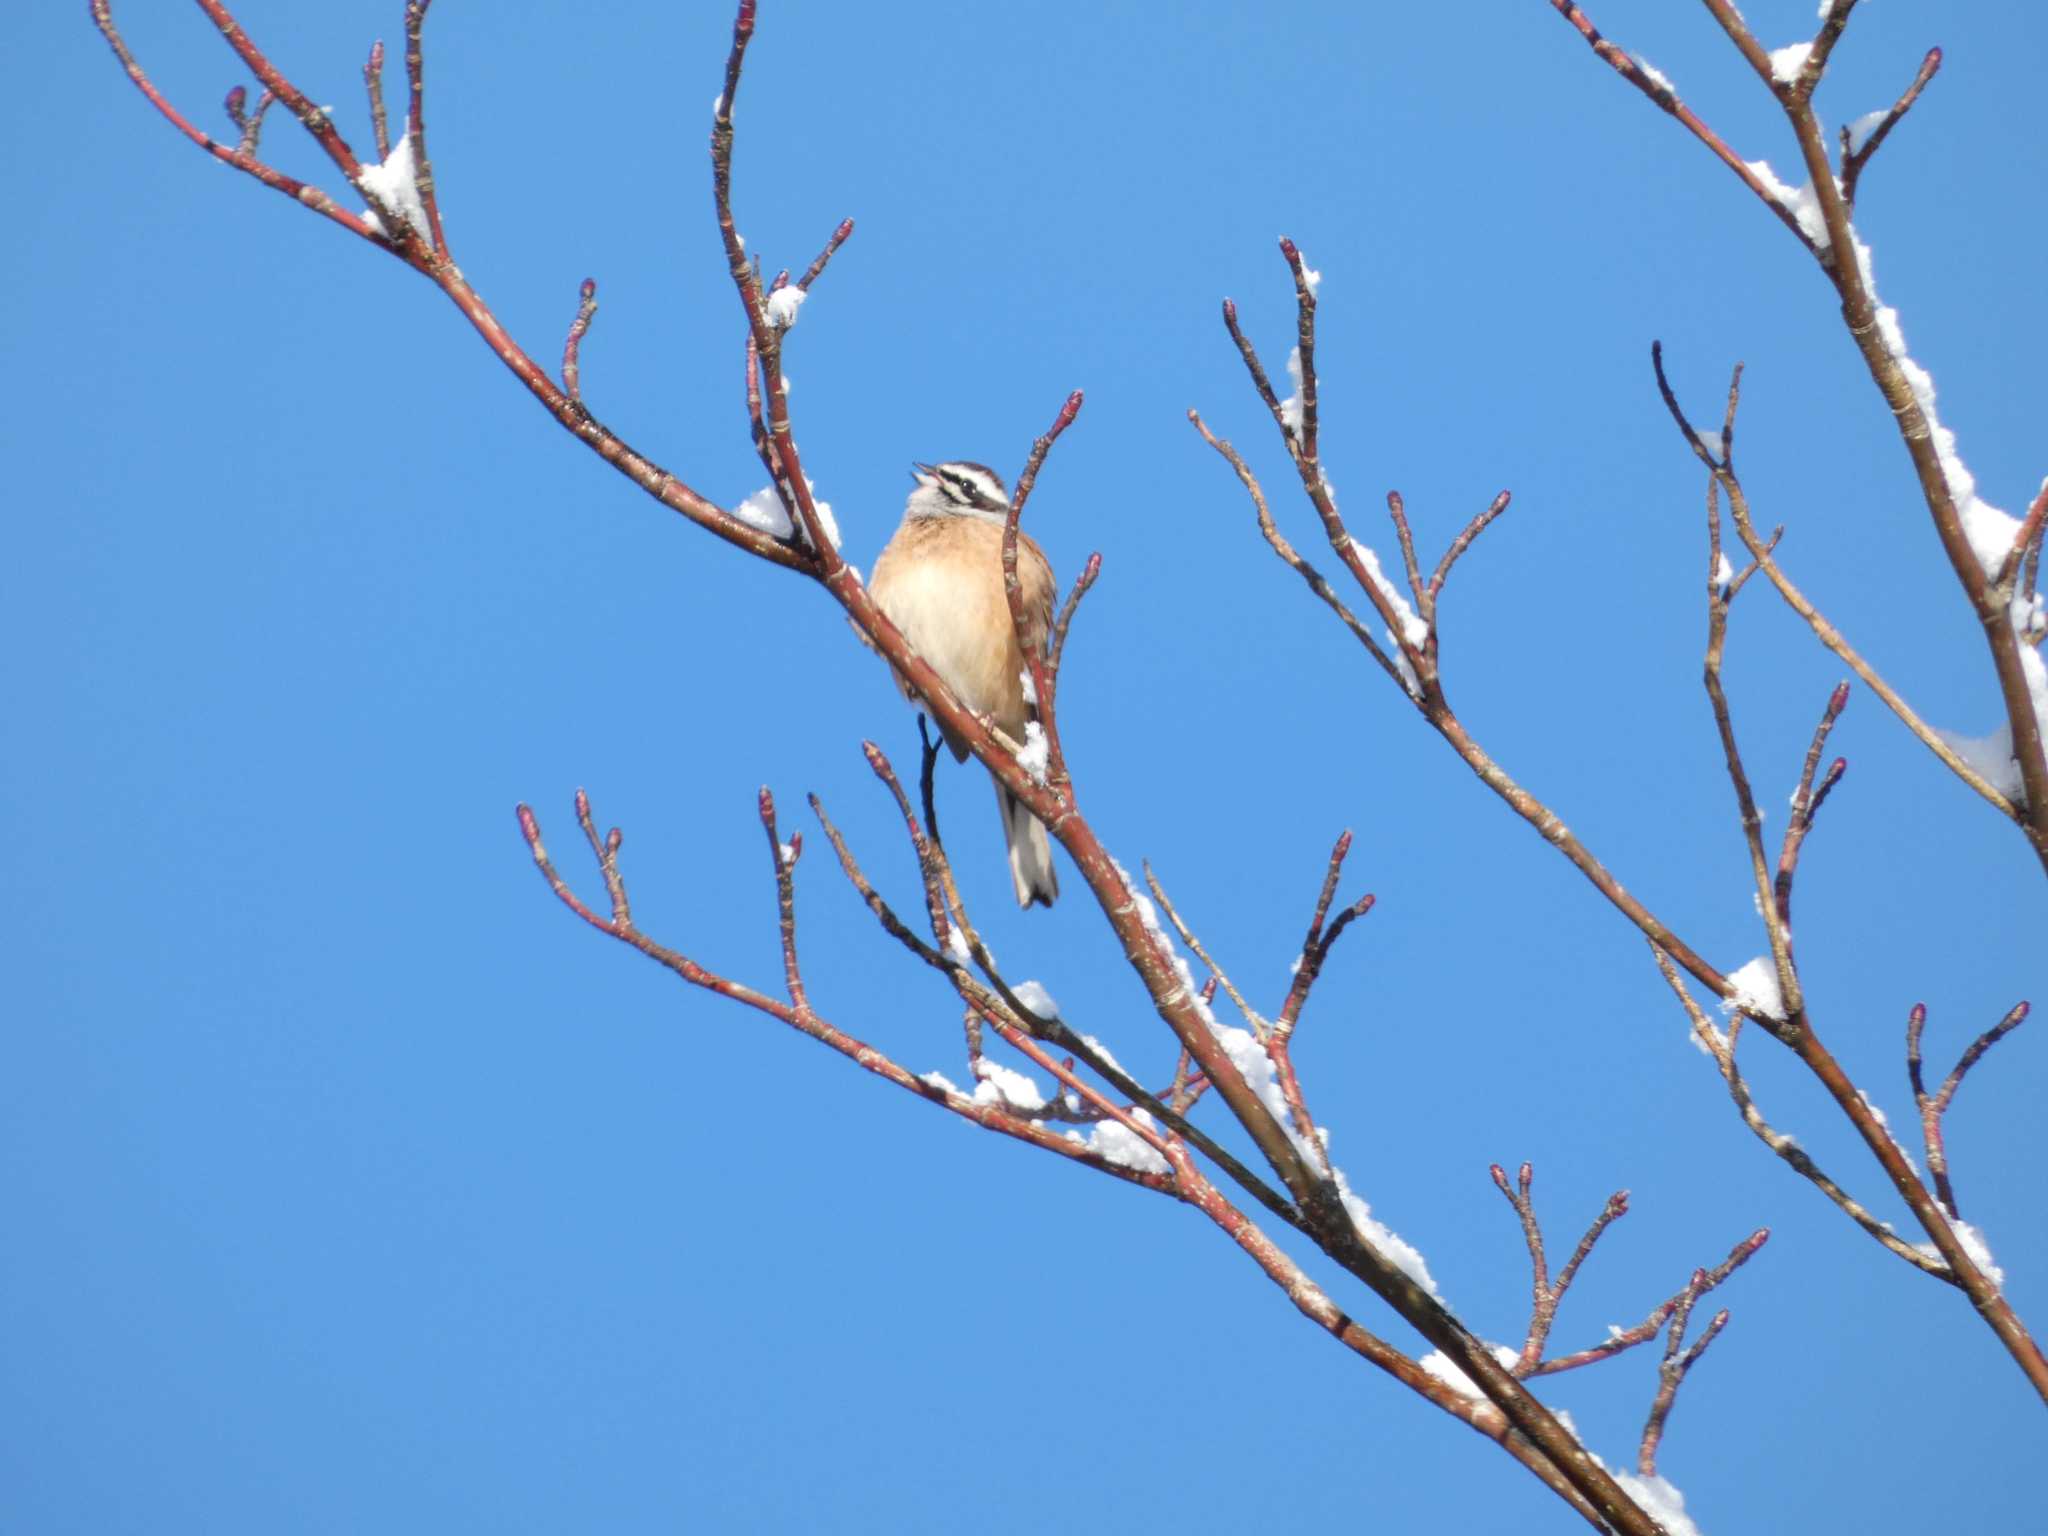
(992, 1117)
(1456, 551)
(242, 158)
(1149, 952)
(1255, 368)
(790, 482)
(1665, 98)
(664, 486)
(1807, 801)
(2027, 542)
(1317, 582)
(817, 266)
(1671, 1373)
(1762, 552)
(1033, 652)
(1424, 689)
(1185, 1182)
(1856, 157)
(416, 121)
(1721, 1047)
(1545, 1296)
(1620, 1340)
(249, 123)
(784, 858)
(1315, 949)
(572, 345)
(1832, 247)
(1397, 510)
(1719, 600)
(1933, 1106)
(944, 907)
(1305, 330)
(373, 85)
(1058, 648)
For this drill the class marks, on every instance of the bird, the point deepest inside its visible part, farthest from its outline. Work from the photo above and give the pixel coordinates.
(940, 581)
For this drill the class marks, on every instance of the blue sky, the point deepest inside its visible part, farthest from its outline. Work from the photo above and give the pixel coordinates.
(352, 1185)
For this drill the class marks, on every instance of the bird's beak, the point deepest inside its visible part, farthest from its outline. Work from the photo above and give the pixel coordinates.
(921, 473)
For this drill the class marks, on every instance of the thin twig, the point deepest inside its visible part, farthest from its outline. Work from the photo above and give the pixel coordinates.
(2026, 541)
(1854, 157)
(817, 266)
(1029, 645)
(1082, 583)
(1721, 1047)
(993, 1116)
(1545, 1295)
(373, 84)
(572, 345)
(1671, 1373)
(1828, 635)
(416, 121)
(785, 857)
(1933, 1106)
(1807, 801)
(1457, 548)
(1622, 1339)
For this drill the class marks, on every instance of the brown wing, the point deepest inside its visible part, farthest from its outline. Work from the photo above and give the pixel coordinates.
(1034, 574)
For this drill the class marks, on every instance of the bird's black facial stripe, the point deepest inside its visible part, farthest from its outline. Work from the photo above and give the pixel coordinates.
(968, 490)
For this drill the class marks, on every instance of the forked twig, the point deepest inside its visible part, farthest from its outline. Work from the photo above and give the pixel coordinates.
(1933, 1106)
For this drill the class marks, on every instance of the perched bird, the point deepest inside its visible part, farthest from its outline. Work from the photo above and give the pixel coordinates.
(940, 581)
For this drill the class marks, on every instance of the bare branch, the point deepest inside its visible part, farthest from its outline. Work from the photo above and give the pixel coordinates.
(1855, 157)
(1620, 1340)
(1672, 1372)
(1082, 583)
(416, 122)
(1933, 1106)
(1457, 549)
(1033, 651)
(1830, 240)
(572, 345)
(1545, 1296)
(1764, 555)
(1807, 801)
(817, 266)
(373, 85)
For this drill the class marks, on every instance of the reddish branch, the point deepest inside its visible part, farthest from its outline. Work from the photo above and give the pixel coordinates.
(1620, 1340)
(572, 345)
(1185, 1180)
(1854, 157)
(1763, 551)
(1034, 652)
(373, 86)
(797, 1014)
(1672, 1372)
(1510, 1415)
(1411, 664)
(1933, 1106)
(1794, 1026)
(1834, 198)
(1546, 1293)
(1415, 666)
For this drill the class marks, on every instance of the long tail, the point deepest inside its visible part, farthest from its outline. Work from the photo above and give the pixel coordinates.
(1030, 852)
